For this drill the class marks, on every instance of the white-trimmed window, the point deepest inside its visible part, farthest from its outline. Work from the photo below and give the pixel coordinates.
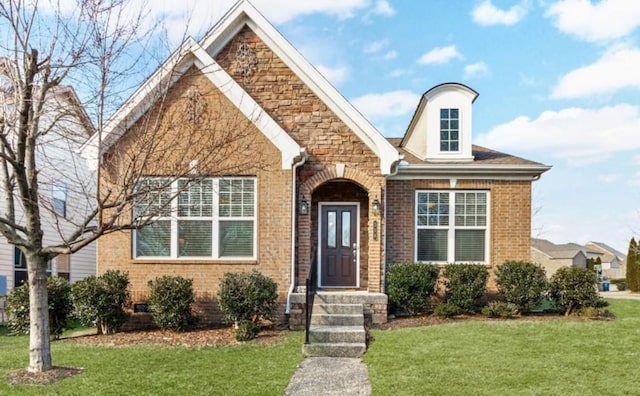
(450, 130)
(211, 218)
(452, 226)
(59, 198)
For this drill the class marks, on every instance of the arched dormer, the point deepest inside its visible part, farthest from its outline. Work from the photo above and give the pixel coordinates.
(441, 128)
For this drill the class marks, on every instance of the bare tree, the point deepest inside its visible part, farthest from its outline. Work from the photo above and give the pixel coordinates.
(96, 46)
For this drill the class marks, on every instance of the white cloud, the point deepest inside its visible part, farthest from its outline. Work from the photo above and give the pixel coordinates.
(336, 75)
(579, 136)
(634, 180)
(375, 46)
(616, 69)
(486, 14)
(440, 55)
(475, 69)
(398, 73)
(383, 8)
(386, 105)
(393, 54)
(606, 20)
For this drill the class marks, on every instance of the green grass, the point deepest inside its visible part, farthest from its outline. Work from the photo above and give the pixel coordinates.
(248, 369)
(515, 357)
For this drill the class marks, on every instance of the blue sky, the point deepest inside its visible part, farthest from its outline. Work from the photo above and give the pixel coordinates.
(559, 83)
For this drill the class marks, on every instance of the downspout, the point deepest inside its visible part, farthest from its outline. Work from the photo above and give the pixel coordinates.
(395, 169)
(303, 159)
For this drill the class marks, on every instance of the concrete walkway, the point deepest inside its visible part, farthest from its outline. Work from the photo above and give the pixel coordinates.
(621, 294)
(330, 376)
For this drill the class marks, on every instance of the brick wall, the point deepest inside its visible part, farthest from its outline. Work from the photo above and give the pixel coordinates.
(510, 221)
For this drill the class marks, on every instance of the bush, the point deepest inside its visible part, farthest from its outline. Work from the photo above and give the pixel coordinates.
(633, 266)
(501, 309)
(58, 292)
(411, 285)
(621, 284)
(100, 301)
(247, 296)
(446, 310)
(573, 289)
(170, 302)
(247, 330)
(596, 313)
(521, 283)
(465, 285)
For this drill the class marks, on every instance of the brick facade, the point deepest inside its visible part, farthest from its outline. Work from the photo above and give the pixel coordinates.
(510, 217)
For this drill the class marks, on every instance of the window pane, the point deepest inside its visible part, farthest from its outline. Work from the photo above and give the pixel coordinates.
(18, 258)
(154, 198)
(331, 229)
(432, 245)
(154, 240)
(194, 198)
(237, 198)
(236, 239)
(346, 229)
(194, 238)
(470, 245)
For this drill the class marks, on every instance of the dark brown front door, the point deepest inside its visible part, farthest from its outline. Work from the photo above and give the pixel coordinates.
(339, 246)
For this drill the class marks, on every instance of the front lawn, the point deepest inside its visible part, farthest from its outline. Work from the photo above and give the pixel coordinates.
(248, 369)
(512, 357)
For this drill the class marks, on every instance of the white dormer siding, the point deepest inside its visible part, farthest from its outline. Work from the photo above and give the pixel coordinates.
(441, 128)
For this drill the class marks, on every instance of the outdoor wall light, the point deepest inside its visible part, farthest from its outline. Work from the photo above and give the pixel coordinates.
(376, 206)
(303, 206)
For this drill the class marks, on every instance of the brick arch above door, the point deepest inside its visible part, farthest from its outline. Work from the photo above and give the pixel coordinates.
(338, 172)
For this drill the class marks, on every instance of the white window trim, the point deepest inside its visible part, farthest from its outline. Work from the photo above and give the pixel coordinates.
(215, 245)
(451, 228)
(450, 152)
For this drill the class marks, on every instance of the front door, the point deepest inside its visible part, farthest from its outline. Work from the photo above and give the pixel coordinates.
(339, 245)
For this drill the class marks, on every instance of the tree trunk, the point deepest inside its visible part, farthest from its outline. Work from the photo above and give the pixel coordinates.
(39, 341)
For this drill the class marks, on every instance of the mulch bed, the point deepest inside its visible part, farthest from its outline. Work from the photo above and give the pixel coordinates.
(57, 373)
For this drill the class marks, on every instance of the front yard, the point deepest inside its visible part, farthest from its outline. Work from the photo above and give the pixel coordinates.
(498, 357)
(510, 357)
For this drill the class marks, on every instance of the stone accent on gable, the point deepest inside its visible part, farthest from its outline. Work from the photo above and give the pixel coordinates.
(329, 143)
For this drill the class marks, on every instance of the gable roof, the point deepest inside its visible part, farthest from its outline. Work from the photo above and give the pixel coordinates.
(201, 54)
(244, 13)
(606, 250)
(553, 251)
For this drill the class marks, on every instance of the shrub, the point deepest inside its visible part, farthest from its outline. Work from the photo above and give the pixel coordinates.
(596, 313)
(465, 285)
(58, 292)
(575, 288)
(100, 301)
(247, 330)
(633, 266)
(521, 283)
(411, 285)
(446, 310)
(501, 309)
(170, 302)
(621, 284)
(247, 296)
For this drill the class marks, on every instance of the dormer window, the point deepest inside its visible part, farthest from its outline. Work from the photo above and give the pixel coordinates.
(450, 130)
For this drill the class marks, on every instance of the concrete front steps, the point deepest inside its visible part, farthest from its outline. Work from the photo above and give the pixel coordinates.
(337, 327)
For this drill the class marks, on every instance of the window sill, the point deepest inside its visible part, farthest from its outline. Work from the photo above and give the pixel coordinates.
(207, 261)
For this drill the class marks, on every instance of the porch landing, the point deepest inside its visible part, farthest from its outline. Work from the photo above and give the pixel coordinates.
(374, 305)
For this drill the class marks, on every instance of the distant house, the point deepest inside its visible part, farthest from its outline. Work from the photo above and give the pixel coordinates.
(61, 201)
(553, 257)
(327, 181)
(613, 261)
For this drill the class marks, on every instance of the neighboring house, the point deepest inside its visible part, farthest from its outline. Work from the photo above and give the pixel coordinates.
(552, 257)
(613, 261)
(62, 202)
(322, 176)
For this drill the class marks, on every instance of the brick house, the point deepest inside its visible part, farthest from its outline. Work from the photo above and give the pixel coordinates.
(320, 182)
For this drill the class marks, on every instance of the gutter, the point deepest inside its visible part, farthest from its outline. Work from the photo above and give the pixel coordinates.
(303, 158)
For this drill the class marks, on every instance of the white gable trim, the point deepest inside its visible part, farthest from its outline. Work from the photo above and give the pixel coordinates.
(190, 54)
(244, 13)
(247, 106)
